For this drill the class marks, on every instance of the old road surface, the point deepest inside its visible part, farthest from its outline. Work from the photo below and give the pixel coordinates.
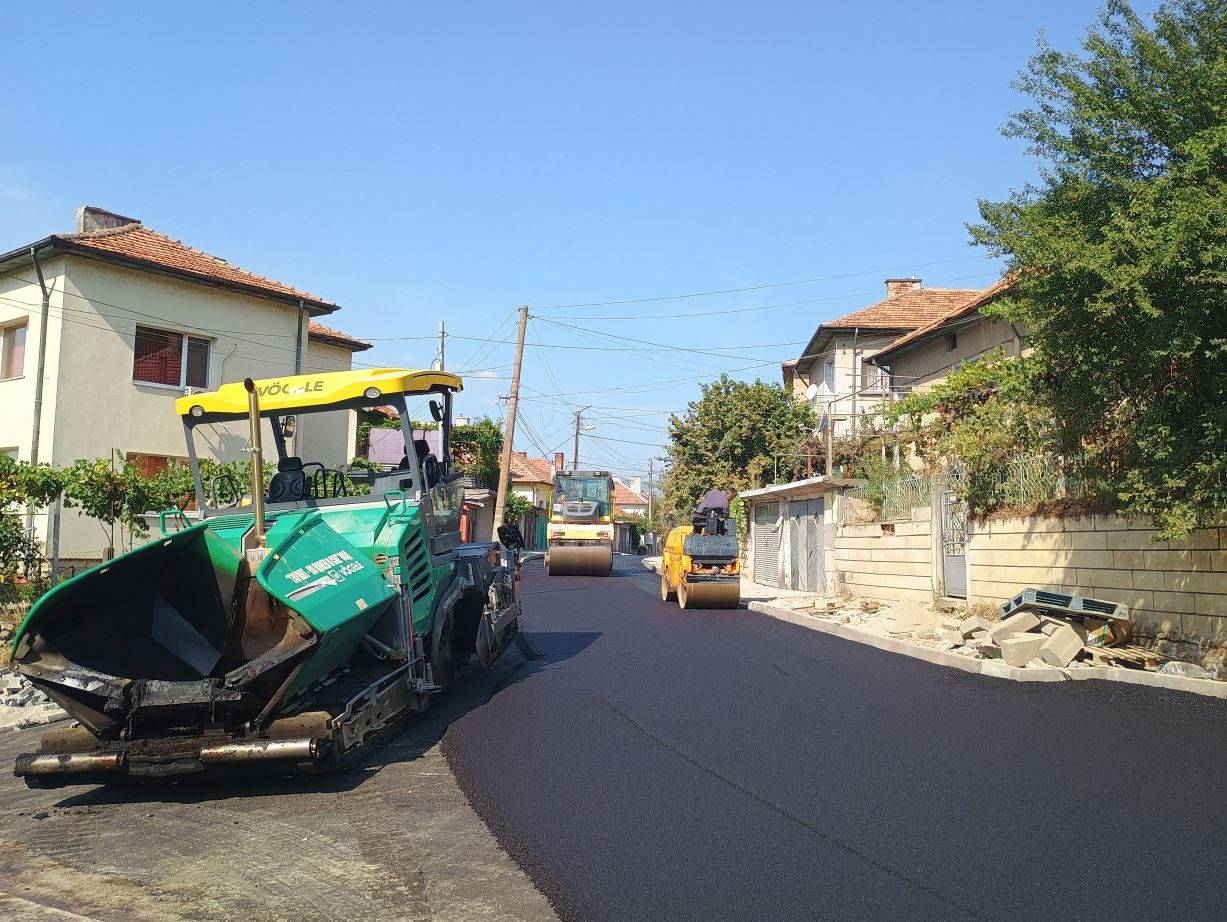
(641, 762)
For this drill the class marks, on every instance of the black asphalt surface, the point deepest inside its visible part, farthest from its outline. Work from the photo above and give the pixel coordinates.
(650, 763)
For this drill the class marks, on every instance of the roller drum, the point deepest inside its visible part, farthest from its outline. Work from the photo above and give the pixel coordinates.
(572, 560)
(708, 595)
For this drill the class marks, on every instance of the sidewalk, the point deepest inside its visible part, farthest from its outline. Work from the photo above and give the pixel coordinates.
(912, 629)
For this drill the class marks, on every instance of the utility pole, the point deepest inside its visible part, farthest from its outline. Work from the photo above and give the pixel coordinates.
(830, 433)
(441, 361)
(650, 462)
(509, 427)
(579, 416)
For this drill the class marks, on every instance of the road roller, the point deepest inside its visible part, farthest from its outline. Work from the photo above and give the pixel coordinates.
(700, 564)
(580, 530)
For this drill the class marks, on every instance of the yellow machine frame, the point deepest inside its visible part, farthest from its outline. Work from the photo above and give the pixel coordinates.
(696, 585)
(579, 548)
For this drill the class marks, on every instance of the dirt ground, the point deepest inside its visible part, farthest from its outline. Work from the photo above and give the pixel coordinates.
(395, 839)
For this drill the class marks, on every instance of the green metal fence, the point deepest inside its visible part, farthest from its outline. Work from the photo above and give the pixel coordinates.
(887, 501)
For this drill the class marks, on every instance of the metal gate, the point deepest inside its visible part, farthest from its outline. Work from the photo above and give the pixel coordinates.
(767, 544)
(806, 550)
(954, 537)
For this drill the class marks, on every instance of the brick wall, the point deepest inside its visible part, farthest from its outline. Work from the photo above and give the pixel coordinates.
(893, 561)
(1176, 590)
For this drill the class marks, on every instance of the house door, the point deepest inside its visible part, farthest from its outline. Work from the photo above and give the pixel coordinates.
(767, 544)
(954, 537)
(807, 555)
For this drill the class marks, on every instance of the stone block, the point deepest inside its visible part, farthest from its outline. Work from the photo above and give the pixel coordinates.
(1018, 623)
(1147, 579)
(1211, 604)
(1021, 648)
(969, 626)
(1175, 602)
(1061, 647)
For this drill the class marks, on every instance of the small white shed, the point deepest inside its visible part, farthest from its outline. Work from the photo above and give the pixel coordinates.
(792, 531)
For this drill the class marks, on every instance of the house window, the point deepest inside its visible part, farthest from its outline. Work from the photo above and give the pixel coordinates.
(13, 350)
(952, 341)
(172, 359)
(150, 465)
(873, 378)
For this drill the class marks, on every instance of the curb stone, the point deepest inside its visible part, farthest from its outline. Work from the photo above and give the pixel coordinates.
(995, 668)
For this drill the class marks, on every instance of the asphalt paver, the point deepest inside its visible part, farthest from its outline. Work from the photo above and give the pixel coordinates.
(648, 762)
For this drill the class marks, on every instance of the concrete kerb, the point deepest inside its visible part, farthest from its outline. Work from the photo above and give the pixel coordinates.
(995, 668)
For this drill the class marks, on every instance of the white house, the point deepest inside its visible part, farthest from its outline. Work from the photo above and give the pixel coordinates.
(122, 320)
(834, 372)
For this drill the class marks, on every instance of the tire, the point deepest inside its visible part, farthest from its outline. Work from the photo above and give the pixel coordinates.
(443, 651)
(683, 595)
(666, 593)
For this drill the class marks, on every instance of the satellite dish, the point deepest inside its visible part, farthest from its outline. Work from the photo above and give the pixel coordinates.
(811, 392)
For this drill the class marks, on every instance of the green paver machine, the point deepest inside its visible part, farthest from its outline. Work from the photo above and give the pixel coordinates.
(284, 626)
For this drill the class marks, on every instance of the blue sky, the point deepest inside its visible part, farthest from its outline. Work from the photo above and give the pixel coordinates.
(418, 162)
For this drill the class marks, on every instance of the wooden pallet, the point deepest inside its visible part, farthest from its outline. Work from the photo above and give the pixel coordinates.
(1129, 655)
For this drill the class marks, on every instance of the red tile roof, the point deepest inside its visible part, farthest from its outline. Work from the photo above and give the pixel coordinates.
(963, 309)
(905, 311)
(625, 496)
(325, 334)
(530, 470)
(135, 242)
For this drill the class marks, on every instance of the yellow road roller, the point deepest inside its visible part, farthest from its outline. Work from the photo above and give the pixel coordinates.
(580, 530)
(700, 563)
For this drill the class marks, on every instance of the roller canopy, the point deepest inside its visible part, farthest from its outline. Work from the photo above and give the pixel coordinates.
(298, 393)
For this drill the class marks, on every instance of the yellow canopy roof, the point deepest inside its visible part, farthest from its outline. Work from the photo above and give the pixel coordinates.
(317, 391)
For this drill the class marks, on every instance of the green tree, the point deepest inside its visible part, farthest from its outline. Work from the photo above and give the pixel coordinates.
(1120, 253)
(730, 439)
(516, 506)
(476, 449)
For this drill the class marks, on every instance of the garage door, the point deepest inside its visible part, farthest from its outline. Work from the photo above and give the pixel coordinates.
(767, 544)
(807, 553)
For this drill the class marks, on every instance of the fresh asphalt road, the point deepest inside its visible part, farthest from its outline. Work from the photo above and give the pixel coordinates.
(651, 763)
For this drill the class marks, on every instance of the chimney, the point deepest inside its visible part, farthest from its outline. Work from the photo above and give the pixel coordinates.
(91, 220)
(899, 286)
(558, 456)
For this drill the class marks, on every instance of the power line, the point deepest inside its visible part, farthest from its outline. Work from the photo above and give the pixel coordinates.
(665, 346)
(726, 291)
(768, 307)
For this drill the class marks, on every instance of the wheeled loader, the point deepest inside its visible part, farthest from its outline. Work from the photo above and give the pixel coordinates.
(700, 564)
(580, 530)
(274, 627)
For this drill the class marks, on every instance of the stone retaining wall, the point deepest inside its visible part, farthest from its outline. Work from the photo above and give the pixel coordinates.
(1176, 590)
(887, 561)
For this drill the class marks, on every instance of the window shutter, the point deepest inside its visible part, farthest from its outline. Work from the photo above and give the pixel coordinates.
(158, 357)
(197, 363)
(13, 359)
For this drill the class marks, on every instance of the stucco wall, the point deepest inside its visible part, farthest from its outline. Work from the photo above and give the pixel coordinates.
(21, 300)
(1176, 590)
(249, 337)
(330, 438)
(537, 493)
(847, 378)
(91, 404)
(929, 363)
(887, 562)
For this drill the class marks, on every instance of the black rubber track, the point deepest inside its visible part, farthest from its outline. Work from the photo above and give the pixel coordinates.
(655, 763)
